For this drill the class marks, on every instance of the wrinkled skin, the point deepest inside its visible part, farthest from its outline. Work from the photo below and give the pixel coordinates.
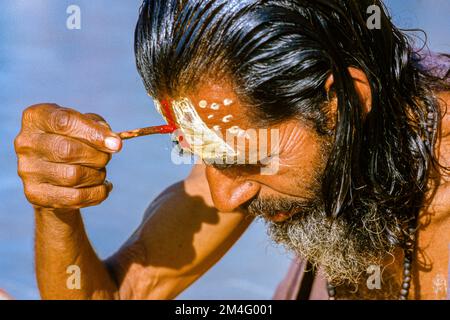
(62, 160)
(62, 156)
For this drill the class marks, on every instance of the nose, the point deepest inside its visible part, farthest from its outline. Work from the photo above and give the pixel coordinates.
(230, 191)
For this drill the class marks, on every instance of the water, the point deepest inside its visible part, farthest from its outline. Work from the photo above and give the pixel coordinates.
(93, 70)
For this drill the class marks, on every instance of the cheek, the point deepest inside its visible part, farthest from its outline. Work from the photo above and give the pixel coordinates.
(309, 164)
(303, 150)
(300, 170)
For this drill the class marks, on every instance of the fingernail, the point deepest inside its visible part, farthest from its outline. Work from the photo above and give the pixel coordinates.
(109, 185)
(103, 123)
(112, 143)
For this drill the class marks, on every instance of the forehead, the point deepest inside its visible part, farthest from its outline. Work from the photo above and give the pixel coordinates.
(219, 107)
(214, 124)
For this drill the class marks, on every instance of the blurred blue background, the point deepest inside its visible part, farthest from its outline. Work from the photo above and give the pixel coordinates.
(93, 70)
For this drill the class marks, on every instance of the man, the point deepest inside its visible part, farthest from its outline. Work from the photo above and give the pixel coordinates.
(359, 179)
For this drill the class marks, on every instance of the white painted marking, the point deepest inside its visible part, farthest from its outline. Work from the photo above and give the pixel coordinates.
(203, 104)
(227, 118)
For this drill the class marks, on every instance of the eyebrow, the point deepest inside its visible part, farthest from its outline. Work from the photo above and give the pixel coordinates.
(228, 165)
(225, 166)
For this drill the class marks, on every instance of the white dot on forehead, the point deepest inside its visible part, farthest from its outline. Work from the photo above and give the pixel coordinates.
(228, 118)
(215, 106)
(203, 104)
(228, 102)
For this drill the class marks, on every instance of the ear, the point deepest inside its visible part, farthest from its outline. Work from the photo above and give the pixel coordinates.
(362, 87)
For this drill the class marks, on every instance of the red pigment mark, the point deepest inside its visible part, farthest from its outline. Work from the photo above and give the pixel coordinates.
(169, 116)
(183, 143)
(172, 126)
(165, 129)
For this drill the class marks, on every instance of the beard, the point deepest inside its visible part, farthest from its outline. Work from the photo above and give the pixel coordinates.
(342, 247)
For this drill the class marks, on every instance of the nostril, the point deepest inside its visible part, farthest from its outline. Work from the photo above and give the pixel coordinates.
(228, 191)
(239, 195)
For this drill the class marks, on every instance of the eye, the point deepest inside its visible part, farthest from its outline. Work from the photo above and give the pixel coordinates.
(242, 167)
(233, 163)
(222, 167)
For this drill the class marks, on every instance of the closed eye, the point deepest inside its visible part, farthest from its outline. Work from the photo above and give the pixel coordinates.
(225, 166)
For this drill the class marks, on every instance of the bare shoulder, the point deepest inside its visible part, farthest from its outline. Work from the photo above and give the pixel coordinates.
(444, 102)
(442, 147)
(181, 237)
(444, 97)
(191, 193)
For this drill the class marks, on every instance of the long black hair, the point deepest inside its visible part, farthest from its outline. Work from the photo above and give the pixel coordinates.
(279, 54)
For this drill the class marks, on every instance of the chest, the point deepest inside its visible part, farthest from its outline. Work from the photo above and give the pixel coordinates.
(430, 271)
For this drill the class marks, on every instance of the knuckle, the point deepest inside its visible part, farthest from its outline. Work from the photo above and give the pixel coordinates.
(28, 112)
(23, 168)
(74, 196)
(63, 149)
(78, 197)
(26, 143)
(32, 194)
(72, 175)
(19, 143)
(94, 134)
(28, 115)
(61, 120)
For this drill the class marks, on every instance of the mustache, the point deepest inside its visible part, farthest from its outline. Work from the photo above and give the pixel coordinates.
(271, 206)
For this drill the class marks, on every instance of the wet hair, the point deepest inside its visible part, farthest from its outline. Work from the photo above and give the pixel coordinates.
(279, 54)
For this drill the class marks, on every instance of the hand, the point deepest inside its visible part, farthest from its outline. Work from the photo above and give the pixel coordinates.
(62, 155)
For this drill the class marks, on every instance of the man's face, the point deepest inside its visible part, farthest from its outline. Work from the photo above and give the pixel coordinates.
(298, 154)
(290, 198)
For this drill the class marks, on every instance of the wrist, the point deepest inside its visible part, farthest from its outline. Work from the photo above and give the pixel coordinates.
(70, 217)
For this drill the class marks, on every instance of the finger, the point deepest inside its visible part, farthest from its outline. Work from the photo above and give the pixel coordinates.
(67, 122)
(61, 149)
(62, 175)
(49, 196)
(98, 118)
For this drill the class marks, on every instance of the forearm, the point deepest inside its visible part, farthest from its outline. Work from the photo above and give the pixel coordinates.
(62, 249)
